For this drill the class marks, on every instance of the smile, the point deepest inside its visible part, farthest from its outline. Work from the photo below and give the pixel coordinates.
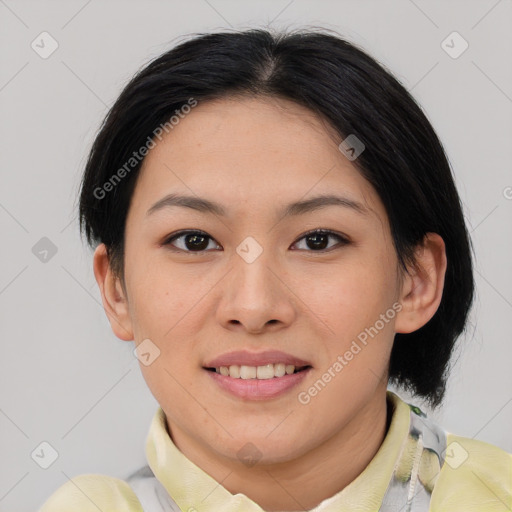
(267, 371)
(251, 383)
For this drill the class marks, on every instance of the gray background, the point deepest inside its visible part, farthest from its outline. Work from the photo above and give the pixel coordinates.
(65, 378)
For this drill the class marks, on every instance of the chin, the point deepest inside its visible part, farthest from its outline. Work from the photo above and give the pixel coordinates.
(261, 449)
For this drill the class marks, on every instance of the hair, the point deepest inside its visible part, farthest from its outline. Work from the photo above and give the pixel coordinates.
(403, 158)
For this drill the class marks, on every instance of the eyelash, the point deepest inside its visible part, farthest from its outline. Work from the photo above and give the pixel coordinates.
(343, 240)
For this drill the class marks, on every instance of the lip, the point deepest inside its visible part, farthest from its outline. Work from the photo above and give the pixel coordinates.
(243, 357)
(256, 389)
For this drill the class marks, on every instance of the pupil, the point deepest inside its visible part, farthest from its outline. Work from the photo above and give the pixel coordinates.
(316, 243)
(196, 242)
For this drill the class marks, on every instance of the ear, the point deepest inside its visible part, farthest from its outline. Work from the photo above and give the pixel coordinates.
(112, 295)
(421, 291)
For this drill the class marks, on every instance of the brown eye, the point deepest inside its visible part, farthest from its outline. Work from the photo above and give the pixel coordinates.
(318, 240)
(191, 241)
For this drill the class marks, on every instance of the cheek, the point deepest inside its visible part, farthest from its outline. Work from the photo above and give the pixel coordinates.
(153, 304)
(165, 307)
(349, 296)
(159, 290)
(350, 301)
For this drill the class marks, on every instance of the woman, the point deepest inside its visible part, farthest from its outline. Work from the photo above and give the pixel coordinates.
(277, 228)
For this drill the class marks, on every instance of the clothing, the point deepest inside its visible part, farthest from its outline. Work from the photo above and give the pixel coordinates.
(418, 468)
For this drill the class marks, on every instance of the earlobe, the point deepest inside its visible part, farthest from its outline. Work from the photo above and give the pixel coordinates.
(112, 295)
(422, 288)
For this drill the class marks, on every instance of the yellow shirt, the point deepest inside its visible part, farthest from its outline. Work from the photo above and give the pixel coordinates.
(419, 467)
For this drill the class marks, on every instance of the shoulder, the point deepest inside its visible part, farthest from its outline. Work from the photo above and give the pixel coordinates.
(93, 492)
(476, 476)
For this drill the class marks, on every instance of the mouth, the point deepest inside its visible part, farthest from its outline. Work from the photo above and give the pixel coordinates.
(261, 375)
(256, 383)
(263, 372)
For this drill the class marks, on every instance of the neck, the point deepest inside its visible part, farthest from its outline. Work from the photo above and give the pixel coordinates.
(302, 483)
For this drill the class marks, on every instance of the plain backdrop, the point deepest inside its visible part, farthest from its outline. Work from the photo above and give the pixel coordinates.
(66, 380)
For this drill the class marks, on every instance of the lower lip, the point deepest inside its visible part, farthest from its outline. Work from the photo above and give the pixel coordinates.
(258, 389)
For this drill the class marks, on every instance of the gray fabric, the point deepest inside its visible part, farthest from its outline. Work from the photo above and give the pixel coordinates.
(411, 495)
(150, 492)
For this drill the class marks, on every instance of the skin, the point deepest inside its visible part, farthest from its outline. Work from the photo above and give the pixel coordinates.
(254, 156)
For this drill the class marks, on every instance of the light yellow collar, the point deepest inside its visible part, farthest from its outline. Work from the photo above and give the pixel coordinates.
(192, 488)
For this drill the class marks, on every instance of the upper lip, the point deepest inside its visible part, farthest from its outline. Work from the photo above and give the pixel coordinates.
(245, 358)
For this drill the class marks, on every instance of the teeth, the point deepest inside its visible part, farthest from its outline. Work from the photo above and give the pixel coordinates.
(268, 371)
(234, 371)
(265, 372)
(279, 369)
(247, 372)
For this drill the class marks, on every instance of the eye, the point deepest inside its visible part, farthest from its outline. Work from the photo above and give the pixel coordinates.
(192, 241)
(198, 241)
(318, 239)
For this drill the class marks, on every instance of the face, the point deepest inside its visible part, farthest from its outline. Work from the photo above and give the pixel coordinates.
(201, 284)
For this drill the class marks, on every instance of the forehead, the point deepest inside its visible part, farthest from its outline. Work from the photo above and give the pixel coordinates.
(250, 151)
(251, 125)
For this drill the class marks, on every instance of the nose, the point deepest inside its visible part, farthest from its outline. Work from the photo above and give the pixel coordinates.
(255, 296)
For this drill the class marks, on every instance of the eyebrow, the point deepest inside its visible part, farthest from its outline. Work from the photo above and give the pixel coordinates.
(297, 208)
